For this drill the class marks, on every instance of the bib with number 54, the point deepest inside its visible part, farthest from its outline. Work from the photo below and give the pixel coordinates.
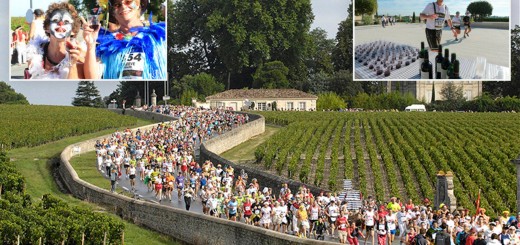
(134, 65)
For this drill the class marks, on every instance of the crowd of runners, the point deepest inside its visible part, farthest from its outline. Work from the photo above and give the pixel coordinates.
(163, 159)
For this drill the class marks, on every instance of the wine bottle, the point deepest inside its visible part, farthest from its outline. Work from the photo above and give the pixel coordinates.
(456, 68)
(445, 64)
(421, 55)
(426, 67)
(430, 71)
(451, 68)
(438, 63)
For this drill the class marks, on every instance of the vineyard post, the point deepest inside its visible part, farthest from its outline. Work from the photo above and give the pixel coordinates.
(516, 162)
(105, 238)
(82, 238)
(123, 238)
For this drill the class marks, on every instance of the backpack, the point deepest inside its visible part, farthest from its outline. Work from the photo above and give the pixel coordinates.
(442, 239)
(461, 238)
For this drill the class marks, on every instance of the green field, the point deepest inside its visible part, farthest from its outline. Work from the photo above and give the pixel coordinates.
(399, 154)
(35, 163)
(34, 125)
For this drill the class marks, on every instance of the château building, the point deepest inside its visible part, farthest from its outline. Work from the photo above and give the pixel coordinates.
(423, 90)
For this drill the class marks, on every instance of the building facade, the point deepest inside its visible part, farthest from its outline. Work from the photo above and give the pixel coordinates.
(263, 100)
(423, 90)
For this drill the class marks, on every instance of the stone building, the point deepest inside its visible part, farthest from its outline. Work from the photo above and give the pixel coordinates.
(423, 90)
(264, 99)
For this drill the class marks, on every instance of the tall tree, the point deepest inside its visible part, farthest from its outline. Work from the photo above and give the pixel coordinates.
(9, 96)
(368, 7)
(250, 33)
(201, 84)
(87, 95)
(271, 75)
(481, 8)
(342, 53)
(319, 58)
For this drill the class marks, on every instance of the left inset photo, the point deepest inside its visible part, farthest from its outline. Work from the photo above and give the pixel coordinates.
(88, 40)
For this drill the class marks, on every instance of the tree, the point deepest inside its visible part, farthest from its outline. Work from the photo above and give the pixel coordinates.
(202, 84)
(342, 84)
(366, 7)
(453, 96)
(250, 33)
(342, 53)
(481, 8)
(319, 58)
(87, 95)
(271, 75)
(187, 97)
(330, 101)
(127, 90)
(413, 17)
(433, 93)
(9, 96)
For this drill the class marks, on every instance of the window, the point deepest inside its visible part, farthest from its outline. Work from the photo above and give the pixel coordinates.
(302, 106)
(221, 104)
(261, 106)
(289, 106)
(468, 94)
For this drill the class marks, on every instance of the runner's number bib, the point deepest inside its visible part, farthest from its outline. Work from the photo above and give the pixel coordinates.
(134, 65)
(439, 22)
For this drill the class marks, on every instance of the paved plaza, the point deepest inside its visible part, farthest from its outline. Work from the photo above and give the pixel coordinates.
(493, 44)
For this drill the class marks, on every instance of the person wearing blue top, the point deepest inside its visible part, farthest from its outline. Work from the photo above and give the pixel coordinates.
(232, 208)
(133, 51)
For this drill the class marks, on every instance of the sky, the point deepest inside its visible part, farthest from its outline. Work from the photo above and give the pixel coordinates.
(328, 14)
(407, 7)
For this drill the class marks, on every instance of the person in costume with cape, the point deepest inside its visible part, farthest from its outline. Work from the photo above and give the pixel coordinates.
(131, 50)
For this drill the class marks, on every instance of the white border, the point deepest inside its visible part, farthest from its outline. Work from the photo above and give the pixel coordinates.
(409, 79)
(10, 79)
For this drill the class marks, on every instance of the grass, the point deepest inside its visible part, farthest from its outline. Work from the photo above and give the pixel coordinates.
(246, 150)
(35, 163)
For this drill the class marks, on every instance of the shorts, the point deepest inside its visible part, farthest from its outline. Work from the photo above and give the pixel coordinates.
(126, 166)
(369, 227)
(342, 235)
(232, 215)
(158, 187)
(247, 216)
(457, 27)
(132, 176)
(434, 38)
(467, 25)
(332, 220)
(213, 212)
(393, 231)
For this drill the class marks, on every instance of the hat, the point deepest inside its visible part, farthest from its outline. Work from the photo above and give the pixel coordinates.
(442, 205)
(512, 227)
(493, 223)
(265, 190)
(505, 212)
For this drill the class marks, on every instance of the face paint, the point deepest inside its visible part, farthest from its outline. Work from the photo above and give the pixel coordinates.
(61, 24)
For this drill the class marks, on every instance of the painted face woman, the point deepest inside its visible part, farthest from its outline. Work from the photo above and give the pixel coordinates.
(132, 51)
(53, 56)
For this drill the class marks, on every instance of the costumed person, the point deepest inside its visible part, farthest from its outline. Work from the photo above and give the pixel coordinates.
(133, 51)
(37, 25)
(56, 55)
(20, 45)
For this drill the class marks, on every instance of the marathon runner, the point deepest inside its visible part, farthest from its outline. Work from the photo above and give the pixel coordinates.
(456, 25)
(467, 22)
(435, 13)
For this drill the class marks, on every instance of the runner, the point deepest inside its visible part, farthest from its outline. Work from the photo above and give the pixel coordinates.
(132, 171)
(188, 196)
(232, 207)
(467, 24)
(435, 14)
(180, 185)
(370, 218)
(248, 211)
(353, 234)
(456, 21)
(342, 224)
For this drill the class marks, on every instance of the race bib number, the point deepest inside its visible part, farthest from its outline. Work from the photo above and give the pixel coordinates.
(439, 23)
(342, 226)
(247, 208)
(381, 227)
(257, 211)
(134, 66)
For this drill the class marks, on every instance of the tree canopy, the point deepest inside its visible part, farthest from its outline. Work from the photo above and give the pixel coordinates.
(9, 96)
(271, 75)
(342, 53)
(368, 7)
(482, 8)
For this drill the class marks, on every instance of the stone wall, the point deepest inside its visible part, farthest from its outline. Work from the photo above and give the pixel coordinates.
(146, 115)
(189, 227)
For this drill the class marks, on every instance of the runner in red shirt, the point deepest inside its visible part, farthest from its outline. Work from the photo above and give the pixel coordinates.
(342, 224)
(247, 210)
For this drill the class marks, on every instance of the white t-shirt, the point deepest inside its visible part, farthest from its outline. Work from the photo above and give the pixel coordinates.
(369, 218)
(439, 10)
(456, 21)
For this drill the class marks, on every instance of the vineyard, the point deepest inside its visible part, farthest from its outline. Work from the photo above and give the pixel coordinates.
(399, 154)
(24, 125)
(49, 221)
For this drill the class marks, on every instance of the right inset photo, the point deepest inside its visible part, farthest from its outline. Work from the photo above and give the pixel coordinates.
(432, 40)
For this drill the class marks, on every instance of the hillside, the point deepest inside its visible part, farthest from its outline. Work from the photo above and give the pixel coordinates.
(399, 154)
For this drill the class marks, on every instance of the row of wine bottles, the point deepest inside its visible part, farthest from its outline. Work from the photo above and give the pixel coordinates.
(444, 67)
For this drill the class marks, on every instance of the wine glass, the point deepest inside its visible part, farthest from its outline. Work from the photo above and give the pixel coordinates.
(480, 67)
(93, 21)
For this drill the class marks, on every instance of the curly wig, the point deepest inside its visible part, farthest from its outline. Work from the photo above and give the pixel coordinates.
(65, 6)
